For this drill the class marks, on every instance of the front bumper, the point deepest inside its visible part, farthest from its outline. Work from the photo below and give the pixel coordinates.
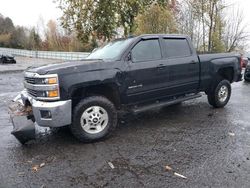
(25, 110)
(59, 111)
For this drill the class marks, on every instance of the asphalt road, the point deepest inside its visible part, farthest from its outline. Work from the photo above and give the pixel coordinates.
(211, 147)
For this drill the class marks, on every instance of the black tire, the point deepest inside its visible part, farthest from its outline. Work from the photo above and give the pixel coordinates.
(76, 128)
(213, 95)
(13, 61)
(246, 79)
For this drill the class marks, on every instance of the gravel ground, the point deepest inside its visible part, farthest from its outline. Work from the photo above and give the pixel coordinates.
(211, 147)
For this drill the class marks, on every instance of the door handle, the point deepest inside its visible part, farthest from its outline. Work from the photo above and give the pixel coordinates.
(161, 67)
(192, 62)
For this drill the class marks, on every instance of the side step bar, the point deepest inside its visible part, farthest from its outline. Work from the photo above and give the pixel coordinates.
(164, 103)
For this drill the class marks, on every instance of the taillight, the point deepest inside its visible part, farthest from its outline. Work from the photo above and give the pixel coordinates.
(241, 62)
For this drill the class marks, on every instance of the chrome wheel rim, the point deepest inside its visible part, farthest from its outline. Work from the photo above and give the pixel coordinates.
(94, 119)
(223, 94)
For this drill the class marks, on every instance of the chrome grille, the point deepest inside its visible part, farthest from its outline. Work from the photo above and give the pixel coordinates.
(32, 92)
(30, 80)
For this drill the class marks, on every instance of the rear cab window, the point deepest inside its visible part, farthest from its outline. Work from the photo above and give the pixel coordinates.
(146, 50)
(176, 47)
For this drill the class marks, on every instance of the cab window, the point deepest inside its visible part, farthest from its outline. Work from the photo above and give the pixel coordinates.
(146, 50)
(176, 48)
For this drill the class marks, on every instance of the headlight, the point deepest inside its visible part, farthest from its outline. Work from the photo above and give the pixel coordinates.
(42, 87)
(52, 80)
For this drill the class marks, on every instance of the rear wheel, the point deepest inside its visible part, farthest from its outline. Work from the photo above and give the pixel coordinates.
(220, 93)
(94, 118)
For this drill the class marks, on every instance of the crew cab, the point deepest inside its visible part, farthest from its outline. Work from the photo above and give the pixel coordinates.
(126, 75)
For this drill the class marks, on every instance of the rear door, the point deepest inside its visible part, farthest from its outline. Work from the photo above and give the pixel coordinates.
(183, 66)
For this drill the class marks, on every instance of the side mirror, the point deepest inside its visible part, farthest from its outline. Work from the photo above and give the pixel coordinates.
(129, 58)
(94, 50)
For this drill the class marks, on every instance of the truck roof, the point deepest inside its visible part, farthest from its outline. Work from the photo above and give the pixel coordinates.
(163, 35)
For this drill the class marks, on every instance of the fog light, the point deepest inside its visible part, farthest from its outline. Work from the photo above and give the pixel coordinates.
(45, 114)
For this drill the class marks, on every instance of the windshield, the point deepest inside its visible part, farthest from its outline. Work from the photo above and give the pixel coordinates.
(110, 51)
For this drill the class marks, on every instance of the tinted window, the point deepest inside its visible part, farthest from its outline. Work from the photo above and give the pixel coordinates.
(176, 48)
(146, 50)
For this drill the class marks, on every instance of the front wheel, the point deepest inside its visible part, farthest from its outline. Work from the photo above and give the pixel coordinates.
(220, 94)
(94, 118)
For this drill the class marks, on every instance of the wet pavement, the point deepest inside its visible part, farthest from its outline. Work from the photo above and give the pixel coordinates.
(211, 147)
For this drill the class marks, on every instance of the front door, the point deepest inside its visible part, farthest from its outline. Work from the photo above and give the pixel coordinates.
(146, 71)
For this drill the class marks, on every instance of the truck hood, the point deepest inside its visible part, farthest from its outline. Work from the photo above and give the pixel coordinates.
(74, 67)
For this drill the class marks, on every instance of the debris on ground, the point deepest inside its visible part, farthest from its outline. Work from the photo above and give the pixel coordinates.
(111, 165)
(175, 173)
(21, 173)
(43, 186)
(168, 168)
(35, 168)
(231, 134)
(42, 165)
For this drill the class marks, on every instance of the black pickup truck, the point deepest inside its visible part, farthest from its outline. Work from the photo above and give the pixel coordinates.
(132, 75)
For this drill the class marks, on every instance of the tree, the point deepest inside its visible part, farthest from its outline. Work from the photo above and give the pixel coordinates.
(34, 40)
(6, 28)
(127, 11)
(235, 33)
(98, 19)
(156, 19)
(18, 38)
(6, 25)
(89, 18)
(204, 21)
(4, 40)
(54, 37)
(104, 19)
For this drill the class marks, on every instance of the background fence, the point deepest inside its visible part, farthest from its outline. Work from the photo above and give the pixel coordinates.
(45, 54)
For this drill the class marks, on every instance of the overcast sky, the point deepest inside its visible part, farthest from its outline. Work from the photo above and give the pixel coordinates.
(27, 12)
(244, 6)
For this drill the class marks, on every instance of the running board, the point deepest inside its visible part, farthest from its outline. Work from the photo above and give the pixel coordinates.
(140, 109)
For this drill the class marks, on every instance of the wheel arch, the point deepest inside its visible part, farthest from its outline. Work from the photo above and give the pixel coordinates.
(108, 90)
(226, 73)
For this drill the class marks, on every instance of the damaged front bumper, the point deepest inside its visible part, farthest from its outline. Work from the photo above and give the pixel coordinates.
(25, 111)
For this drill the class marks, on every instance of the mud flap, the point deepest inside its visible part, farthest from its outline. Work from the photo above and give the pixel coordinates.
(22, 119)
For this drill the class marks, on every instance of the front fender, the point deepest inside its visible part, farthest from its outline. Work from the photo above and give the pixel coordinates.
(73, 82)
